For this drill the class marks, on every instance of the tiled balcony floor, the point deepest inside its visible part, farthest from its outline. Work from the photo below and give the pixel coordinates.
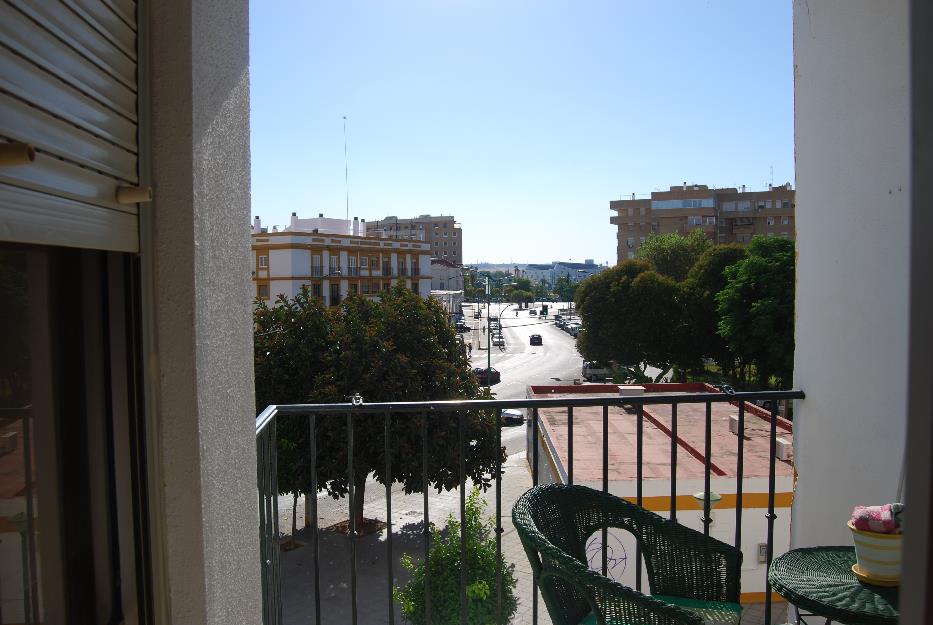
(297, 571)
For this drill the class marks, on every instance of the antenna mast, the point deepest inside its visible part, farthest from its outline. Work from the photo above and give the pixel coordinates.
(346, 166)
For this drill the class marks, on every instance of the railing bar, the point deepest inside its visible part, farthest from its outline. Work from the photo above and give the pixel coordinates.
(570, 444)
(461, 437)
(605, 533)
(772, 458)
(639, 458)
(263, 526)
(277, 586)
(499, 517)
(739, 476)
(427, 524)
(315, 542)
(388, 480)
(708, 451)
(534, 482)
(352, 496)
(647, 399)
(674, 461)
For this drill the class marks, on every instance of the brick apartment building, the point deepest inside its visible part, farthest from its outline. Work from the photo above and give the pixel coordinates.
(442, 233)
(726, 215)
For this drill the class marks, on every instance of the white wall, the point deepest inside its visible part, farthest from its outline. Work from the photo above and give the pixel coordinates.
(853, 174)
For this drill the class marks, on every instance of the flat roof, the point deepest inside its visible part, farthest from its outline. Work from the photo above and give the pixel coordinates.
(656, 439)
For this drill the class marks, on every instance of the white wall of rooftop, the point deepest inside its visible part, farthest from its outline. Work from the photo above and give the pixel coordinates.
(852, 138)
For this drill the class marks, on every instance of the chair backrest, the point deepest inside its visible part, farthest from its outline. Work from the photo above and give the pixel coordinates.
(554, 523)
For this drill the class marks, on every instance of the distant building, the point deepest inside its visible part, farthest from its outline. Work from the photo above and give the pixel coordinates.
(445, 275)
(442, 233)
(549, 273)
(553, 458)
(334, 258)
(726, 215)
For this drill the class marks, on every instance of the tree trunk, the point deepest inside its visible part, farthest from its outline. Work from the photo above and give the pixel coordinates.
(359, 490)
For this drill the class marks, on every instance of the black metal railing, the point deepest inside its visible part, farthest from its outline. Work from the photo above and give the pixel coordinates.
(427, 411)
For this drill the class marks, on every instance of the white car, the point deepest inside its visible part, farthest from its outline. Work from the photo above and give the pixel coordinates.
(498, 340)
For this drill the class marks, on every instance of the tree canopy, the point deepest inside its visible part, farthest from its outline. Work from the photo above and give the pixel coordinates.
(400, 348)
(633, 316)
(674, 254)
(756, 309)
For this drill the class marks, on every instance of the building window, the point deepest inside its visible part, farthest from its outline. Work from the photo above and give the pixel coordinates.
(435, 244)
(364, 262)
(366, 287)
(445, 234)
(263, 262)
(694, 221)
(761, 204)
(631, 254)
(770, 221)
(334, 265)
(263, 291)
(334, 294)
(785, 220)
(455, 233)
(710, 220)
(728, 207)
(355, 288)
(316, 290)
(385, 286)
(769, 204)
(641, 240)
(785, 204)
(631, 212)
(744, 205)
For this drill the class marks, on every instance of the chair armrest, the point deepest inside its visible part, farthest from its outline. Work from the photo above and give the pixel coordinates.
(614, 603)
(683, 562)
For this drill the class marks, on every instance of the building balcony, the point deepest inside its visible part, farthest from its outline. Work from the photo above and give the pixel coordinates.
(316, 272)
(353, 271)
(662, 451)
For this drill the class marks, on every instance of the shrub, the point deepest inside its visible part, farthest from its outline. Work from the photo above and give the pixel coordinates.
(445, 565)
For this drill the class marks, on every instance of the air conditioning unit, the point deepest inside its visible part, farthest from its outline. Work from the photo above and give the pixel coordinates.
(784, 449)
(734, 424)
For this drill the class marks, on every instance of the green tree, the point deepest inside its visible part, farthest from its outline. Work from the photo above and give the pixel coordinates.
(633, 316)
(674, 254)
(756, 309)
(705, 280)
(400, 348)
(290, 340)
(541, 290)
(565, 289)
(445, 565)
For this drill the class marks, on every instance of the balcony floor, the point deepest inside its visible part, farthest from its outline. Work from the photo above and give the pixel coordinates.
(297, 565)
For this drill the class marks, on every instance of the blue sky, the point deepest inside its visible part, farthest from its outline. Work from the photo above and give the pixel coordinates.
(521, 118)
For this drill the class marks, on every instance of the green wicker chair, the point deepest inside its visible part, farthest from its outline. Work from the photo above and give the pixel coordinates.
(694, 580)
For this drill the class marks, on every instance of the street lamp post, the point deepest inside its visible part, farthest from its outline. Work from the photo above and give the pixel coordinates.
(488, 333)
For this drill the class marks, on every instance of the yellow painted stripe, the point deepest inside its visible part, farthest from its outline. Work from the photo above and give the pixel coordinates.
(887, 563)
(876, 546)
(688, 502)
(757, 597)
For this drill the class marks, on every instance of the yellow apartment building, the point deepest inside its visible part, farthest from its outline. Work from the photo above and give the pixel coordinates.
(334, 258)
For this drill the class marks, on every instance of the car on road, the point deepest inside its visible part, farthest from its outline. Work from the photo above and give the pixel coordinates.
(487, 377)
(533, 312)
(498, 340)
(477, 314)
(512, 416)
(462, 327)
(535, 339)
(594, 371)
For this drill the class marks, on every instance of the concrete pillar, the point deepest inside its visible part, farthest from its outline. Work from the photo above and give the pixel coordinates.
(197, 312)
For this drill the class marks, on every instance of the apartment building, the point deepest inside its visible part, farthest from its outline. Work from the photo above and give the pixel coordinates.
(726, 215)
(442, 233)
(334, 258)
(549, 273)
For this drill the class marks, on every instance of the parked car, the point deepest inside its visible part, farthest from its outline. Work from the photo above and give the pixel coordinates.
(487, 377)
(462, 327)
(477, 314)
(535, 339)
(512, 416)
(533, 312)
(573, 329)
(594, 371)
(498, 340)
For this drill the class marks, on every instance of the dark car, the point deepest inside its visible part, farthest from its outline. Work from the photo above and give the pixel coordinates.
(533, 312)
(535, 339)
(487, 377)
(512, 416)
(462, 327)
